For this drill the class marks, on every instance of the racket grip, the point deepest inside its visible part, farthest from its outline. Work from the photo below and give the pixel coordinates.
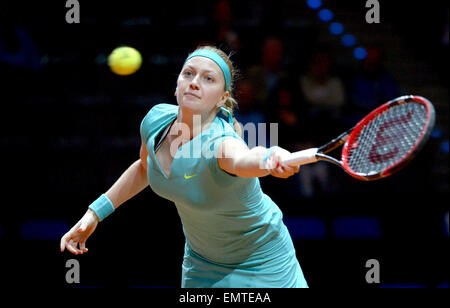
(302, 157)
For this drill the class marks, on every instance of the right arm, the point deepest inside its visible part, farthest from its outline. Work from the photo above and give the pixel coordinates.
(129, 184)
(236, 158)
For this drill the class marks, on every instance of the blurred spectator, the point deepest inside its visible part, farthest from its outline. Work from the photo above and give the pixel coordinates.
(323, 92)
(248, 112)
(286, 115)
(226, 37)
(314, 179)
(266, 75)
(322, 111)
(372, 84)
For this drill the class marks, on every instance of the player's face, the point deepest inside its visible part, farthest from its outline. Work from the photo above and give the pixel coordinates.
(200, 86)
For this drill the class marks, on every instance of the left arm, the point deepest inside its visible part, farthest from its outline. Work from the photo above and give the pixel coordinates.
(236, 158)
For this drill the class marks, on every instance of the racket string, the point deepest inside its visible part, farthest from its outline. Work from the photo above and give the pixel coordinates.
(387, 138)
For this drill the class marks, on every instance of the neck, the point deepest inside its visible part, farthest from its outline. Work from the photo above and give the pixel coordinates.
(195, 123)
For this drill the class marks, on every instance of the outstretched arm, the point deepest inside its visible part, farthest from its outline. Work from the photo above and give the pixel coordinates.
(129, 184)
(236, 158)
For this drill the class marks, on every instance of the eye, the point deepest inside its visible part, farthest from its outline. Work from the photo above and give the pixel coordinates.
(187, 73)
(209, 78)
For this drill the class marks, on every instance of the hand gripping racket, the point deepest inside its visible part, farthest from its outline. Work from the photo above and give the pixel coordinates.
(382, 143)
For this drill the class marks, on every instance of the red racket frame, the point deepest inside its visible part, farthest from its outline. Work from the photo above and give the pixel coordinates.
(401, 163)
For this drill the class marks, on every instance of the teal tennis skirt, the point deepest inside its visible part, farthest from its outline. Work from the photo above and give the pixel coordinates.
(280, 269)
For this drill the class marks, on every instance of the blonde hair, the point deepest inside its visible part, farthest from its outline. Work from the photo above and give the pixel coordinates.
(230, 103)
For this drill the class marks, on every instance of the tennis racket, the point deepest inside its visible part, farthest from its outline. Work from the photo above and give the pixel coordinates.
(382, 143)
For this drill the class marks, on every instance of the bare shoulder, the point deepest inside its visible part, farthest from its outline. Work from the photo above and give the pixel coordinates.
(143, 155)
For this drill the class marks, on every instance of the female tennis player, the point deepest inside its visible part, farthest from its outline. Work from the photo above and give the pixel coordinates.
(235, 236)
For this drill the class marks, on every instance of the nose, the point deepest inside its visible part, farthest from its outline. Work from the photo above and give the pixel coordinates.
(195, 83)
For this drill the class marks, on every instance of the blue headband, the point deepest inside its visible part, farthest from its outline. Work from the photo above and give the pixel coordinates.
(219, 61)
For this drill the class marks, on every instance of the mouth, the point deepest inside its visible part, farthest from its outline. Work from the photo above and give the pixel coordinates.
(191, 94)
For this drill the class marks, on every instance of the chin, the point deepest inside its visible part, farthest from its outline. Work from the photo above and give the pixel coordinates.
(191, 105)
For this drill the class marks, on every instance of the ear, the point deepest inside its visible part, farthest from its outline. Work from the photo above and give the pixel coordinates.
(223, 99)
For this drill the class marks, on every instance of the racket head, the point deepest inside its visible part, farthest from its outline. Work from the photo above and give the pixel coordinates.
(388, 138)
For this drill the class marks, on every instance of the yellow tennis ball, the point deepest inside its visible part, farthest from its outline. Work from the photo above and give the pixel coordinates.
(124, 60)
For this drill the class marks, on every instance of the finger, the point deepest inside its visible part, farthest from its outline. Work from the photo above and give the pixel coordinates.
(276, 165)
(77, 246)
(284, 173)
(72, 247)
(279, 168)
(291, 171)
(288, 168)
(62, 243)
(278, 172)
(83, 247)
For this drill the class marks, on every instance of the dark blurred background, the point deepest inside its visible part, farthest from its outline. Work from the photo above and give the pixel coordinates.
(70, 128)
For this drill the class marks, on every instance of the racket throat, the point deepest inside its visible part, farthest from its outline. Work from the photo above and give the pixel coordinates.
(336, 142)
(330, 159)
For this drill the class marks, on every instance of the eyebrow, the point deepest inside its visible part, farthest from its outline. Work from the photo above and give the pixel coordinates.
(207, 71)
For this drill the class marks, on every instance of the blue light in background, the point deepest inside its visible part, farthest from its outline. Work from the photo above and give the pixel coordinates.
(325, 15)
(348, 40)
(445, 146)
(402, 285)
(44, 229)
(360, 53)
(436, 133)
(336, 28)
(355, 227)
(305, 227)
(314, 4)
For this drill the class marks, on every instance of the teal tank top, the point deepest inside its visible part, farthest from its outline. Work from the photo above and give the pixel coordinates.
(228, 222)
